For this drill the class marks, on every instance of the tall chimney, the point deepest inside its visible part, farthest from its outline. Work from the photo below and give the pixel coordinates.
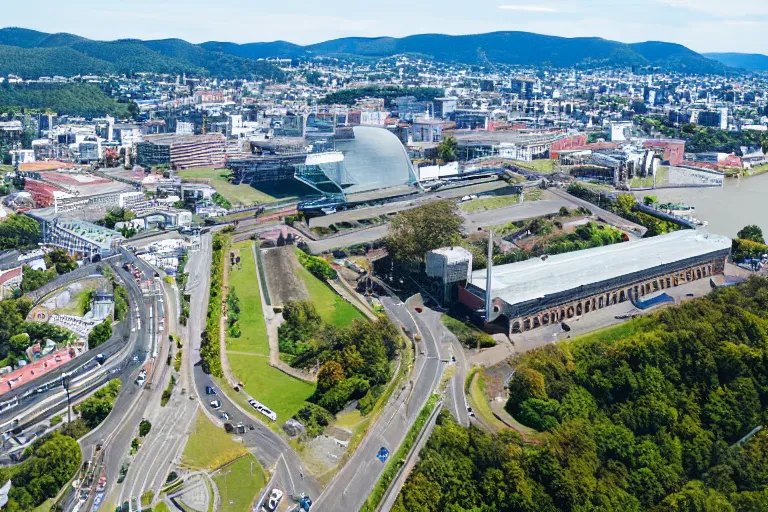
(488, 275)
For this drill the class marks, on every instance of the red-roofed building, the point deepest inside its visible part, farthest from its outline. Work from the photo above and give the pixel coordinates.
(35, 369)
(674, 149)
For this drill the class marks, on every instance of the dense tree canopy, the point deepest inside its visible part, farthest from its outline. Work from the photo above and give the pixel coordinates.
(19, 232)
(67, 99)
(752, 233)
(419, 230)
(644, 417)
(51, 464)
(355, 360)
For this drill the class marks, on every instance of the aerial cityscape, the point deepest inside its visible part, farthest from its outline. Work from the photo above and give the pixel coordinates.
(499, 261)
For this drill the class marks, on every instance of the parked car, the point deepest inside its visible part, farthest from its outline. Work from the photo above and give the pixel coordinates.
(274, 499)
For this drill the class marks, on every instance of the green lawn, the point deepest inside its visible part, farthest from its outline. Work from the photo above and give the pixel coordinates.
(160, 507)
(209, 446)
(489, 203)
(239, 484)
(279, 391)
(248, 355)
(332, 308)
(543, 166)
(242, 194)
(646, 182)
(244, 280)
(616, 332)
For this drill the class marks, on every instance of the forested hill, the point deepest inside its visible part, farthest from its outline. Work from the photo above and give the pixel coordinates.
(85, 100)
(749, 61)
(240, 60)
(31, 54)
(643, 417)
(512, 48)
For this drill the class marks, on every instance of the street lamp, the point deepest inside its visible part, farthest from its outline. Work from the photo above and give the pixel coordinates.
(65, 378)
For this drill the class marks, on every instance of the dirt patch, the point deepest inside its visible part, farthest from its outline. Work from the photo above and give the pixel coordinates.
(495, 376)
(281, 268)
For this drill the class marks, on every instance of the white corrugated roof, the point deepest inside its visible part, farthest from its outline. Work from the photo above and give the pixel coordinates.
(516, 283)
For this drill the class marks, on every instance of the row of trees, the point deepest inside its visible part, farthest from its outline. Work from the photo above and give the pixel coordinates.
(210, 339)
(646, 417)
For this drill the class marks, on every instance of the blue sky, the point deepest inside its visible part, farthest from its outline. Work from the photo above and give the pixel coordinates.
(703, 25)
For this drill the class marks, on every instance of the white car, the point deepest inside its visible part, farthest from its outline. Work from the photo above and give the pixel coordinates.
(274, 499)
(215, 404)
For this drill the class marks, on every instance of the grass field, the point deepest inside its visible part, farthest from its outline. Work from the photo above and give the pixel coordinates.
(489, 203)
(239, 484)
(160, 507)
(244, 280)
(543, 166)
(243, 194)
(646, 182)
(209, 447)
(248, 355)
(616, 332)
(332, 308)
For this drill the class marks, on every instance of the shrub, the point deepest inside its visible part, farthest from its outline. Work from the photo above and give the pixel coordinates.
(318, 267)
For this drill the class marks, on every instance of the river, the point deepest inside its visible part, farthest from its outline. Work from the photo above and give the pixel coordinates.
(727, 209)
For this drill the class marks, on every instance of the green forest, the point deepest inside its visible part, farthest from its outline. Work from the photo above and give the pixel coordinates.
(85, 100)
(653, 415)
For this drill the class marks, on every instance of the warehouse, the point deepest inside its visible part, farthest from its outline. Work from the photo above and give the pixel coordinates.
(546, 290)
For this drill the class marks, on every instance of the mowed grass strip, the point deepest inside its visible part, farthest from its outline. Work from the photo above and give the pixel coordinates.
(331, 307)
(239, 484)
(482, 204)
(253, 326)
(209, 446)
(248, 355)
(279, 391)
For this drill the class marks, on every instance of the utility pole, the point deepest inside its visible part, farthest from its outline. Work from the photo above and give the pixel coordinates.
(65, 384)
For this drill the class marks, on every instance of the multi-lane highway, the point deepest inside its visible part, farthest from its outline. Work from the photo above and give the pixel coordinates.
(163, 446)
(354, 482)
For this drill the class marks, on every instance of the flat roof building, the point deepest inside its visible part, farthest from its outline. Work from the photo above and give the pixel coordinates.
(550, 289)
(183, 151)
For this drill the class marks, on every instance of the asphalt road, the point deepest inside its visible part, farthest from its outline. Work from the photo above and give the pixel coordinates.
(352, 485)
(472, 222)
(164, 444)
(272, 451)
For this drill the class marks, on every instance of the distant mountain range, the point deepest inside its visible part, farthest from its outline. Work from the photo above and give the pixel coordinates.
(31, 54)
(748, 61)
(512, 48)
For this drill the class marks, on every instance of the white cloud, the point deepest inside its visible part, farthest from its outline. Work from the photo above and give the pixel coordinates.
(721, 8)
(529, 8)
